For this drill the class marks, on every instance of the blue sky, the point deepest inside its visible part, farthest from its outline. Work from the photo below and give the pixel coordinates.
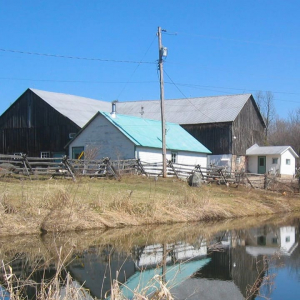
(214, 48)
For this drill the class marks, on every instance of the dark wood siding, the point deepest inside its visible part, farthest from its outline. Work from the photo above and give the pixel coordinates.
(232, 137)
(214, 136)
(30, 125)
(248, 128)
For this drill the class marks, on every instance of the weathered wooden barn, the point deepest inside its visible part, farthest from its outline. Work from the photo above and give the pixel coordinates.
(227, 125)
(41, 123)
(127, 137)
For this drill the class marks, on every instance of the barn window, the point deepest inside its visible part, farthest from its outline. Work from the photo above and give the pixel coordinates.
(174, 157)
(288, 161)
(77, 152)
(274, 161)
(45, 154)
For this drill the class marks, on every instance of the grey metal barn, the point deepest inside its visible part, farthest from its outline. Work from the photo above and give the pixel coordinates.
(42, 123)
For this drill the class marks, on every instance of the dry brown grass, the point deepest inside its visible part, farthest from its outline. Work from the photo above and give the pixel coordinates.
(61, 205)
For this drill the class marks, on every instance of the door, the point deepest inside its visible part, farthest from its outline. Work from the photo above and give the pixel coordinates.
(261, 165)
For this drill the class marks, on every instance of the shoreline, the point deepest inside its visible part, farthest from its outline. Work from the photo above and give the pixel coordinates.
(37, 207)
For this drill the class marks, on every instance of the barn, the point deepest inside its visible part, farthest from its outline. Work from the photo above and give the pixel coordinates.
(227, 125)
(41, 123)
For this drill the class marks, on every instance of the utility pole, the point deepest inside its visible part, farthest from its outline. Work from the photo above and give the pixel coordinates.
(162, 53)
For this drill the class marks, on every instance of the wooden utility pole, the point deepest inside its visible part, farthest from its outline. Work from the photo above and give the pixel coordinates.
(161, 50)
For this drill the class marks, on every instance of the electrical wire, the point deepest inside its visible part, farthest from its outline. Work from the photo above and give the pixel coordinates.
(136, 68)
(76, 57)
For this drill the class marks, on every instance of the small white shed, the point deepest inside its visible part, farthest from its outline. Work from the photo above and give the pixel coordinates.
(271, 159)
(125, 137)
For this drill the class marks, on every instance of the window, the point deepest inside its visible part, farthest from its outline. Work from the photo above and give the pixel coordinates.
(174, 157)
(77, 152)
(274, 161)
(274, 241)
(288, 161)
(238, 160)
(287, 239)
(45, 154)
(261, 240)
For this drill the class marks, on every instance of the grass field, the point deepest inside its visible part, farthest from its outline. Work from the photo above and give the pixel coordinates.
(34, 206)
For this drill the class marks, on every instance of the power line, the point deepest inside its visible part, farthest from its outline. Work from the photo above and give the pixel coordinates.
(238, 41)
(136, 68)
(76, 57)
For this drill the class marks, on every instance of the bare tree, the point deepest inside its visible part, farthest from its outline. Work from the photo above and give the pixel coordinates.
(265, 103)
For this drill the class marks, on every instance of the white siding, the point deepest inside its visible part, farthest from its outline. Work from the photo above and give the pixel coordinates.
(287, 169)
(107, 140)
(153, 155)
(281, 167)
(252, 164)
(270, 167)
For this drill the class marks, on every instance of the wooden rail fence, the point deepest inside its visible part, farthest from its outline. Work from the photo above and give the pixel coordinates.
(37, 168)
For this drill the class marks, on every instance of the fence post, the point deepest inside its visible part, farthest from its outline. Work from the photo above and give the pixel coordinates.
(69, 167)
(26, 164)
(265, 181)
(140, 166)
(111, 167)
(170, 164)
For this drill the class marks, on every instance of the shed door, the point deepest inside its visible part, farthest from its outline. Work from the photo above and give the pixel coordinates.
(261, 165)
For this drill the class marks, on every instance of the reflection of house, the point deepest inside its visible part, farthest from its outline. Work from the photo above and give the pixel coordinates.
(273, 159)
(126, 137)
(281, 241)
(96, 269)
(152, 255)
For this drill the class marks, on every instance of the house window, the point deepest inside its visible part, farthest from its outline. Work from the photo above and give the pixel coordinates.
(77, 152)
(174, 157)
(288, 161)
(274, 161)
(238, 160)
(274, 241)
(287, 239)
(45, 154)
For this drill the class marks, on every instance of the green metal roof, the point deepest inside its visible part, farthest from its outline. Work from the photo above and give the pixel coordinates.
(147, 133)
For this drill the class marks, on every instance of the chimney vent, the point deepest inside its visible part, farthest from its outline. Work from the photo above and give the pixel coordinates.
(114, 108)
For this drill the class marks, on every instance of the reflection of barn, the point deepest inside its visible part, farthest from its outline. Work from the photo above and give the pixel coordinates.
(224, 277)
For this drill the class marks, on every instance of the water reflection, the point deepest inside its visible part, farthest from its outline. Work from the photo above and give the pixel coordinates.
(198, 261)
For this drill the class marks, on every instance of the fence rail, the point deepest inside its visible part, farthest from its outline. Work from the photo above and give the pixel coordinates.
(35, 167)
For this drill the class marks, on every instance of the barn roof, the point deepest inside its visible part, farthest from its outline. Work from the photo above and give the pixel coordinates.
(269, 150)
(189, 110)
(181, 111)
(78, 109)
(147, 133)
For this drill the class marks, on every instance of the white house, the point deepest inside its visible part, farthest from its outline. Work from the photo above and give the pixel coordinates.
(272, 159)
(127, 137)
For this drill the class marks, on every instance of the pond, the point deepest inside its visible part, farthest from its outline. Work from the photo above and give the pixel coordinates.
(250, 258)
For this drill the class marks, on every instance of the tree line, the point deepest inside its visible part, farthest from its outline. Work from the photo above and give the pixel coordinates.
(279, 131)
